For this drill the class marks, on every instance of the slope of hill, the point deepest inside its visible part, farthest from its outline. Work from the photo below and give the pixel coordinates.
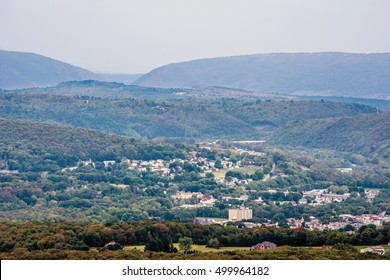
(363, 75)
(100, 89)
(368, 134)
(23, 70)
(115, 90)
(198, 118)
(35, 146)
(381, 104)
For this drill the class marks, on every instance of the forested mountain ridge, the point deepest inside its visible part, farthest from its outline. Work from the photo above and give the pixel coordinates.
(23, 70)
(115, 90)
(27, 145)
(345, 74)
(193, 118)
(99, 89)
(366, 134)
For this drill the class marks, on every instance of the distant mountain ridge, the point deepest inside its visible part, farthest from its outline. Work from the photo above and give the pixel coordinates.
(330, 73)
(24, 70)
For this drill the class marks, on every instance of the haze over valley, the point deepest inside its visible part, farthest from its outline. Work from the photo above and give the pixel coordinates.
(194, 130)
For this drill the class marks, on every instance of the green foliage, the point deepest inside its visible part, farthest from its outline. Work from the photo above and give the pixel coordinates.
(214, 243)
(158, 239)
(75, 240)
(185, 244)
(47, 147)
(365, 134)
(189, 118)
(114, 246)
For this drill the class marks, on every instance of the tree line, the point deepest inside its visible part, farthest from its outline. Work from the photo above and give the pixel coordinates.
(159, 236)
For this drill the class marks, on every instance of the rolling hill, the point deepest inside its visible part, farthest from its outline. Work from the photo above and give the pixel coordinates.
(340, 74)
(24, 70)
(367, 134)
(114, 90)
(28, 145)
(100, 89)
(190, 118)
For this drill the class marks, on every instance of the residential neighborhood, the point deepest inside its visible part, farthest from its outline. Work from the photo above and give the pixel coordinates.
(218, 170)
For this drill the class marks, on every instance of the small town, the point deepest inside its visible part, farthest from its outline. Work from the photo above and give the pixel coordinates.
(248, 134)
(239, 215)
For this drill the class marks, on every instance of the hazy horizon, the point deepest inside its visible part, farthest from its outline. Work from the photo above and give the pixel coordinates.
(133, 37)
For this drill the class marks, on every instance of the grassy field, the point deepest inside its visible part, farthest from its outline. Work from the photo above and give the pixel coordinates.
(221, 173)
(362, 247)
(199, 248)
(203, 248)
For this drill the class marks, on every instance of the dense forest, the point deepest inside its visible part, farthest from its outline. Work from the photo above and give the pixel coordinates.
(76, 240)
(367, 134)
(189, 118)
(99, 89)
(117, 90)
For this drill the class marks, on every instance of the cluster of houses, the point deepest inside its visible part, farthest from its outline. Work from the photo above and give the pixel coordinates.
(321, 197)
(237, 215)
(188, 200)
(315, 197)
(201, 200)
(233, 182)
(207, 165)
(345, 220)
(365, 219)
(156, 166)
(162, 167)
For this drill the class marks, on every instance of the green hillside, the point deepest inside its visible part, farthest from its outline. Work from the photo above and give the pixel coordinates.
(115, 90)
(31, 146)
(99, 89)
(365, 134)
(381, 104)
(194, 118)
(52, 172)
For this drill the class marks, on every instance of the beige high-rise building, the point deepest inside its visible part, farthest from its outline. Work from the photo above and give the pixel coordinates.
(239, 214)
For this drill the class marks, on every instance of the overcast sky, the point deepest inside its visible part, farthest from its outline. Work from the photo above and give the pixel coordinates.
(135, 36)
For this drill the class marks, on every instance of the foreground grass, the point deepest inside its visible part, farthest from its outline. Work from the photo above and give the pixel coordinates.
(203, 248)
(198, 248)
(280, 253)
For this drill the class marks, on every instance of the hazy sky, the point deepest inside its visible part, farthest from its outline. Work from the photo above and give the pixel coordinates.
(135, 36)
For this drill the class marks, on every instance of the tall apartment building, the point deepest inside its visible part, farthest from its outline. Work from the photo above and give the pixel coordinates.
(239, 214)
